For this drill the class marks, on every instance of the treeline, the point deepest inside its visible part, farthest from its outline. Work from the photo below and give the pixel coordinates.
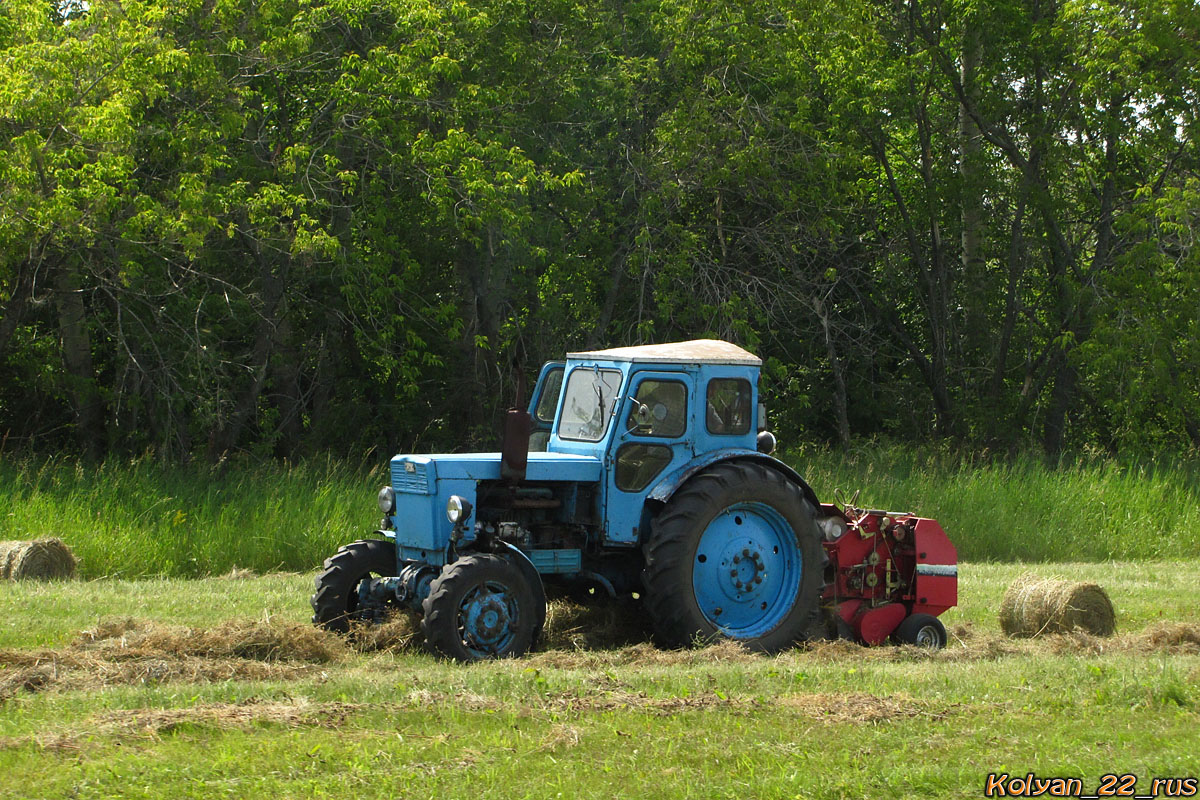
(286, 226)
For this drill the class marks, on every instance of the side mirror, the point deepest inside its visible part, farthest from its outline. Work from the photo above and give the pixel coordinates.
(762, 416)
(643, 416)
(640, 418)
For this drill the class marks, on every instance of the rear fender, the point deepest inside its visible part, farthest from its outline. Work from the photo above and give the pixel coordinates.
(667, 487)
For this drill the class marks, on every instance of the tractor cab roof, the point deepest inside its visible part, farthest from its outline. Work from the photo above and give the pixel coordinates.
(697, 351)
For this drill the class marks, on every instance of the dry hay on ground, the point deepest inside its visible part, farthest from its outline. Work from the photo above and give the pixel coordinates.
(249, 639)
(1181, 637)
(859, 707)
(41, 559)
(154, 722)
(642, 654)
(125, 652)
(401, 632)
(248, 712)
(133, 652)
(603, 625)
(1034, 606)
(831, 707)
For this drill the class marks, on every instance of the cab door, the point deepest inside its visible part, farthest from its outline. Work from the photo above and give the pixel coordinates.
(544, 403)
(652, 436)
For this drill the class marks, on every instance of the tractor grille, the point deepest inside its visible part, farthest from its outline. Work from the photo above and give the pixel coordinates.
(414, 482)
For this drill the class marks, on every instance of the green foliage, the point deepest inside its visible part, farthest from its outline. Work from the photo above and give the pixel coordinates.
(297, 226)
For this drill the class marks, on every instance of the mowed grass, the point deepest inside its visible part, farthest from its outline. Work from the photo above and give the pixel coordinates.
(590, 716)
(138, 518)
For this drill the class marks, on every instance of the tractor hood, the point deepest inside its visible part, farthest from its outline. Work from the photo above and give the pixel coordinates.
(419, 473)
(424, 483)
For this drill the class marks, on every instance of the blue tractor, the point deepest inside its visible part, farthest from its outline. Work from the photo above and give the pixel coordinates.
(635, 472)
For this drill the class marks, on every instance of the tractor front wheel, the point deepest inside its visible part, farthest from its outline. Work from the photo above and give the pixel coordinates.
(481, 607)
(735, 554)
(335, 602)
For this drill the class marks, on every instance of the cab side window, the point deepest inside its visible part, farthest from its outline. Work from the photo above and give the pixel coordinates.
(728, 401)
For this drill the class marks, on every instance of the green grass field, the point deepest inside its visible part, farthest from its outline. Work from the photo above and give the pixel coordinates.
(218, 687)
(157, 677)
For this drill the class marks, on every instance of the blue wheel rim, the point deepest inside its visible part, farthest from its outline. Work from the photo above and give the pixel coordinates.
(487, 619)
(746, 570)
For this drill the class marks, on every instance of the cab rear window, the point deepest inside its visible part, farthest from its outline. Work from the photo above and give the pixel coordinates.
(728, 406)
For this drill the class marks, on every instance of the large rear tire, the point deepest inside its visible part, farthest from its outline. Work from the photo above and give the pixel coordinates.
(481, 607)
(335, 602)
(735, 554)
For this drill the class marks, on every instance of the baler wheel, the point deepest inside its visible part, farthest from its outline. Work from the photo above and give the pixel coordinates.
(922, 630)
(481, 607)
(335, 602)
(735, 554)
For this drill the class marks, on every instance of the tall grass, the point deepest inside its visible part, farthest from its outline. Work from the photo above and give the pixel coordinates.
(1010, 509)
(137, 518)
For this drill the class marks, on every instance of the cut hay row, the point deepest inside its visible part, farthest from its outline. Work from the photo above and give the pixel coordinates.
(825, 707)
(131, 652)
(151, 722)
(42, 559)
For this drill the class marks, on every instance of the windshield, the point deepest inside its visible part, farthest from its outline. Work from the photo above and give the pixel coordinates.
(589, 402)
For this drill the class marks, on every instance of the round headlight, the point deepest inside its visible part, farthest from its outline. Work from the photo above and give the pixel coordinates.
(457, 509)
(387, 500)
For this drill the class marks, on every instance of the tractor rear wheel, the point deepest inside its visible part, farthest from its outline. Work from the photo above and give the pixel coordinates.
(481, 607)
(735, 554)
(335, 602)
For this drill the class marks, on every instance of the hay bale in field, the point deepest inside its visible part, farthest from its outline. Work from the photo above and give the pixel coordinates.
(42, 559)
(1033, 606)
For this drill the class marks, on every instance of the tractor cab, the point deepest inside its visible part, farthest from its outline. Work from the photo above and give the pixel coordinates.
(652, 415)
(635, 471)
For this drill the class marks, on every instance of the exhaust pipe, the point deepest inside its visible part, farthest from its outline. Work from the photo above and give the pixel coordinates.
(514, 447)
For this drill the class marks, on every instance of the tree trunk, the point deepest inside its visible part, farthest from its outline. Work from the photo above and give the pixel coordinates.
(1016, 265)
(840, 403)
(933, 293)
(971, 174)
(77, 357)
(225, 437)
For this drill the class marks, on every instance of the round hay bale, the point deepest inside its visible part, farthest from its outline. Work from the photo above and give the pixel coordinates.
(8, 552)
(1033, 606)
(42, 559)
